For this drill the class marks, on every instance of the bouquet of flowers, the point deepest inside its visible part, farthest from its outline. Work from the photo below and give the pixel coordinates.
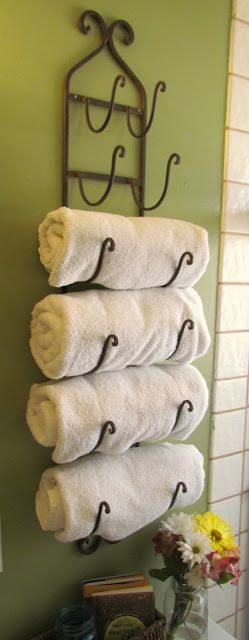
(195, 547)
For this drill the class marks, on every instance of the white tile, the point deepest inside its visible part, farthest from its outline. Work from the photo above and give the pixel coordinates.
(227, 435)
(244, 512)
(229, 510)
(239, 53)
(229, 394)
(243, 588)
(238, 100)
(234, 259)
(244, 551)
(231, 355)
(235, 207)
(246, 472)
(221, 602)
(243, 625)
(233, 308)
(228, 625)
(241, 9)
(247, 430)
(237, 156)
(225, 477)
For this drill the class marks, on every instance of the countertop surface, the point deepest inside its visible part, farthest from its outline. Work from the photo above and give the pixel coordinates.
(215, 632)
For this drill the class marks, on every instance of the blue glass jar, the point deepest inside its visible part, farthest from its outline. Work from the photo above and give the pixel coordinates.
(75, 623)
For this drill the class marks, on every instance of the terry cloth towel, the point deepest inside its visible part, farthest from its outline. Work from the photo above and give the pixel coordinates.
(146, 254)
(68, 331)
(137, 485)
(111, 411)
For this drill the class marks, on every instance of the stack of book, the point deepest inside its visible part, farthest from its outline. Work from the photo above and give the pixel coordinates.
(122, 605)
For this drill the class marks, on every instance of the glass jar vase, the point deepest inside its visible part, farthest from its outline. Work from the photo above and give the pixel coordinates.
(186, 611)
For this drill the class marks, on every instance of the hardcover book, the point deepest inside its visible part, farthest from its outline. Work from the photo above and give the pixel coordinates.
(122, 612)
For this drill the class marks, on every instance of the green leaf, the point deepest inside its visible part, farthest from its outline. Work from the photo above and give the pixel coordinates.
(225, 577)
(160, 574)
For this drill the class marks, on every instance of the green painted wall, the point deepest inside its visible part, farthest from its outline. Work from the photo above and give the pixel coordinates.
(184, 42)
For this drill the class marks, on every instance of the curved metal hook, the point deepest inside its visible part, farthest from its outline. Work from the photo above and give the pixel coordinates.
(160, 86)
(187, 323)
(119, 149)
(173, 158)
(108, 245)
(111, 338)
(112, 429)
(179, 411)
(119, 79)
(175, 494)
(91, 543)
(179, 266)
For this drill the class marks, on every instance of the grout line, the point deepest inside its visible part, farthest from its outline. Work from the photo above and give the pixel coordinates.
(234, 233)
(237, 284)
(230, 378)
(216, 413)
(234, 495)
(228, 455)
(242, 484)
(232, 614)
(238, 75)
(245, 184)
(232, 331)
(234, 18)
(227, 128)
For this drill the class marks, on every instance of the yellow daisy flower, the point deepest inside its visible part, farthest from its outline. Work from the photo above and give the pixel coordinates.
(219, 532)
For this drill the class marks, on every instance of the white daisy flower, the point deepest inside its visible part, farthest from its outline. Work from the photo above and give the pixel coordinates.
(195, 548)
(180, 523)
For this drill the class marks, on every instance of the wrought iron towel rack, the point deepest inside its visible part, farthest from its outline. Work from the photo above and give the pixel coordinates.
(136, 184)
(140, 111)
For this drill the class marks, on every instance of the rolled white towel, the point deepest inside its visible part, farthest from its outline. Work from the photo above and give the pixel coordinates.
(111, 411)
(146, 251)
(138, 486)
(69, 331)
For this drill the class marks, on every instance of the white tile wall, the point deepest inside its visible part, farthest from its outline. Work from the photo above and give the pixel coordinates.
(238, 116)
(247, 428)
(237, 153)
(229, 510)
(241, 9)
(246, 472)
(229, 471)
(244, 551)
(234, 258)
(228, 433)
(245, 512)
(222, 601)
(229, 625)
(232, 351)
(229, 394)
(225, 477)
(243, 590)
(235, 207)
(239, 60)
(242, 625)
(233, 308)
